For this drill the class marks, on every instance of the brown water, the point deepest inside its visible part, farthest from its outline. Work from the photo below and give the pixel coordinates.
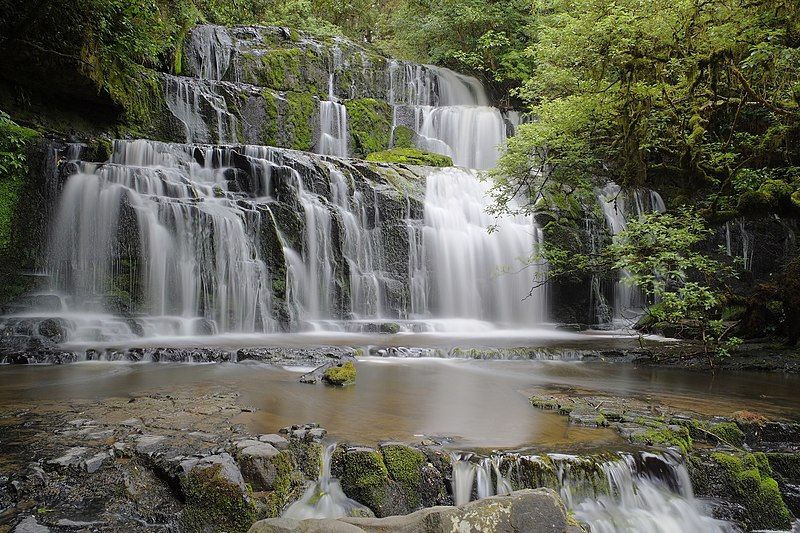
(478, 403)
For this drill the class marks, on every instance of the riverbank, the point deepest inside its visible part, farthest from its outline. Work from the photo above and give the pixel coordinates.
(108, 443)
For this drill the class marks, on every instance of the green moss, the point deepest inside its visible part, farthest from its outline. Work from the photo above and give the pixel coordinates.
(723, 432)
(754, 203)
(665, 437)
(212, 503)
(14, 143)
(341, 375)
(302, 108)
(269, 131)
(403, 137)
(751, 485)
(279, 69)
(276, 499)
(404, 465)
(410, 156)
(370, 125)
(365, 478)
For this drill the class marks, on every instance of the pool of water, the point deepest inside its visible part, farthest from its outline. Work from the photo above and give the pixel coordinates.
(479, 404)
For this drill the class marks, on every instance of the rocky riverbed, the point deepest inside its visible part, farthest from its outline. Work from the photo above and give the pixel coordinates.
(186, 460)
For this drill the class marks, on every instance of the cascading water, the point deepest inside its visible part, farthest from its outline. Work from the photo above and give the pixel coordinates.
(196, 245)
(469, 272)
(333, 116)
(449, 113)
(635, 492)
(325, 498)
(618, 206)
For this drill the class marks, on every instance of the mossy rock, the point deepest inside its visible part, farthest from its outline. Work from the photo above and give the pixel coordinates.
(665, 436)
(785, 464)
(213, 503)
(365, 479)
(750, 483)
(302, 112)
(341, 375)
(410, 156)
(755, 203)
(403, 137)
(370, 124)
(404, 465)
(727, 433)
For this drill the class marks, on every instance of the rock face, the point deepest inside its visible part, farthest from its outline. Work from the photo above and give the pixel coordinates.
(525, 511)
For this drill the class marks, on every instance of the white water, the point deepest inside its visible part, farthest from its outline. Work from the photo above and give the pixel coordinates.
(619, 206)
(469, 272)
(450, 114)
(333, 121)
(653, 494)
(325, 498)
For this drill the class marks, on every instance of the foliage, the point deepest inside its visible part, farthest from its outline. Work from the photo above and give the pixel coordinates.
(660, 254)
(683, 93)
(485, 38)
(14, 140)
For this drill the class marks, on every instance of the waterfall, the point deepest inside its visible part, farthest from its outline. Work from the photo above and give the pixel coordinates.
(209, 52)
(324, 498)
(333, 125)
(646, 493)
(632, 492)
(193, 102)
(449, 113)
(196, 243)
(471, 273)
(618, 206)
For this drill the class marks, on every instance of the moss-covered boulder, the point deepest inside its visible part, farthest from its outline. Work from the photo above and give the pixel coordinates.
(365, 479)
(745, 479)
(410, 156)
(406, 467)
(340, 375)
(217, 498)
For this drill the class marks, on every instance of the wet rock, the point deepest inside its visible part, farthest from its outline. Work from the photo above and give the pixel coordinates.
(30, 525)
(149, 443)
(276, 440)
(526, 511)
(264, 467)
(216, 497)
(96, 461)
(72, 457)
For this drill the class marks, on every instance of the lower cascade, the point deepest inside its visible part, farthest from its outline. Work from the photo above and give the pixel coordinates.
(325, 498)
(633, 492)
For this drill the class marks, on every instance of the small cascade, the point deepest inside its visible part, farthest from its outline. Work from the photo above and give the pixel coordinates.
(647, 492)
(333, 125)
(332, 114)
(201, 110)
(469, 272)
(449, 113)
(629, 492)
(739, 242)
(208, 52)
(619, 206)
(488, 467)
(463, 477)
(325, 498)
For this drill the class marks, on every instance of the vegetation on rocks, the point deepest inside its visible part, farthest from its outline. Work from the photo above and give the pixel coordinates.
(214, 502)
(410, 156)
(341, 375)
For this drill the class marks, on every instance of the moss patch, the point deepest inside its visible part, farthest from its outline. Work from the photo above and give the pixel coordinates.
(341, 375)
(410, 156)
(370, 125)
(679, 438)
(212, 503)
(365, 478)
(749, 478)
(302, 107)
(404, 465)
(785, 464)
(403, 137)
